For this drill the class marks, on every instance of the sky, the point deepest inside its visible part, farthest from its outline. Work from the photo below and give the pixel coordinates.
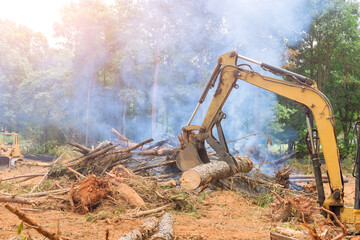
(38, 15)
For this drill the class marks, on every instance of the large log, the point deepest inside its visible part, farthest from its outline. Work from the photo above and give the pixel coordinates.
(145, 230)
(166, 231)
(203, 174)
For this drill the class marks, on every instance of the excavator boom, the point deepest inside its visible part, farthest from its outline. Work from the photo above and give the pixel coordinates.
(301, 90)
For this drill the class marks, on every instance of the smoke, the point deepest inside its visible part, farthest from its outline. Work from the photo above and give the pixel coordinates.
(185, 38)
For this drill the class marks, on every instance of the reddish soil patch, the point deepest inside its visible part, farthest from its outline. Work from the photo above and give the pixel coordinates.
(223, 215)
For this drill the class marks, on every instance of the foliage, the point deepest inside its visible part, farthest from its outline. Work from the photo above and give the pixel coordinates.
(101, 74)
(264, 200)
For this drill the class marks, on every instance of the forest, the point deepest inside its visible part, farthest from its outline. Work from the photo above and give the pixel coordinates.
(140, 67)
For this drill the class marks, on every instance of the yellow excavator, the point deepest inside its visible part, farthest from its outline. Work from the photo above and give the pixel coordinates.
(297, 88)
(9, 149)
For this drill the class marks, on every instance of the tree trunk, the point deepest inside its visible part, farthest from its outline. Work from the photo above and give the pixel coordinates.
(155, 87)
(87, 113)
(203, 174)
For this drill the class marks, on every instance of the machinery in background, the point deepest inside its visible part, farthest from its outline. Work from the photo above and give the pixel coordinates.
(9, 149)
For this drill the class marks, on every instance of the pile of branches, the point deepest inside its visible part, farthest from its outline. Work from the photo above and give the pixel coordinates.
(125, 152)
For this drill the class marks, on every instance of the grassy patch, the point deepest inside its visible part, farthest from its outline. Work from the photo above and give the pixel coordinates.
(264, 200)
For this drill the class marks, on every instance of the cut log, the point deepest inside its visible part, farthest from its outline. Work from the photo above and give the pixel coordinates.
(197, 176)
(82, 148)
(159, 152)
(129, 194)
(143, 232)
(166, 231)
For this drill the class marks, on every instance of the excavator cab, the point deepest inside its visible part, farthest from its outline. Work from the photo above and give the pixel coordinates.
(9, 149)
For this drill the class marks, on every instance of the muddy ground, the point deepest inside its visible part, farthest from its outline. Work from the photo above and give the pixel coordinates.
(219, 215)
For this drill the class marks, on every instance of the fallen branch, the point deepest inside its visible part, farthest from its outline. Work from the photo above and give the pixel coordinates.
(143, 232)
(151, 211)
(22, 176)
(154, 166)
(166, 231)
(34, 164)
(91, 155)
(40, 194)
(75, 172)
(343, 228)
(159, 152)
(47, 173)
(23, 217)
(15, 199)
(82, 148)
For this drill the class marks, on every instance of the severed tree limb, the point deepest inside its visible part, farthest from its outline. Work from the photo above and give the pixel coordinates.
(40, 194)
(140, 144)
(154, 166)
(143, 232)
(166, 231)
(91, 155)
(22, 176)
(151, 211)
(343, 228)
(198, 176)
(82, 149)
(47, 173)
(15, 199)
(35, 164)
(23, 217)
(159, 152)
(75, 172)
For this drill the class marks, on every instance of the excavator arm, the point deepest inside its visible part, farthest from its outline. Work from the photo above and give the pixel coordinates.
(302, 90)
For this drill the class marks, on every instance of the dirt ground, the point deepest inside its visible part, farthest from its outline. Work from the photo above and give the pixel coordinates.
(221, 215)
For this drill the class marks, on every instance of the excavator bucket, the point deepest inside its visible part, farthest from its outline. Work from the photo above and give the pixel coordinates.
(191, 157)
(4, 161)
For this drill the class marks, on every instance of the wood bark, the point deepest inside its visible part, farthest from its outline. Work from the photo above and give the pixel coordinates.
(14, 199)
(159, 152)
(92, 155)
(151, 211)
(22, 176)
(46, 174)
(22, 216)
(155, 165)
(166, 231)
(83, 149)
(129, 194)
(199, 175)
(143, 232)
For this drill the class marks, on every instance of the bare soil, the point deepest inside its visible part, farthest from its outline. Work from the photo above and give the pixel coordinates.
(222, 215)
